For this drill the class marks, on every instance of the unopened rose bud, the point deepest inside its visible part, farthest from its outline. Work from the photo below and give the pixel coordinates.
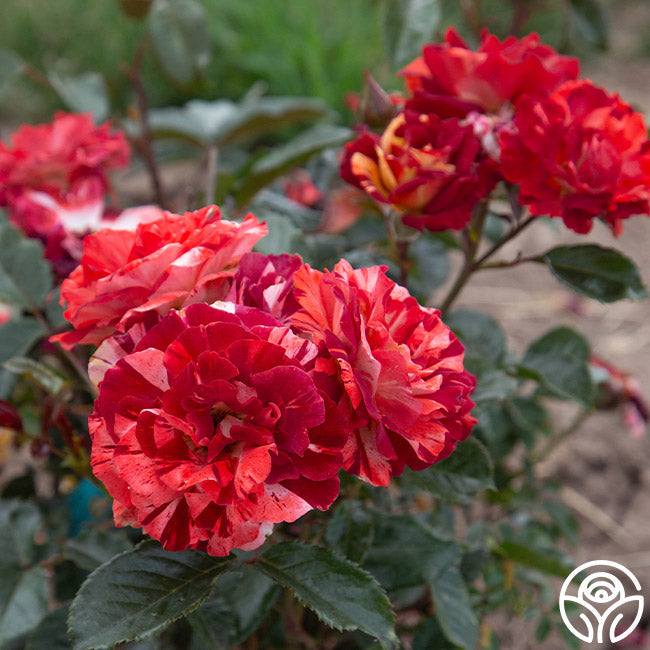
(376, 108)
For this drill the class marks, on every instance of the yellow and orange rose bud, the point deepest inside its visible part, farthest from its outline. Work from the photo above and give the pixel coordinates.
(433, 171)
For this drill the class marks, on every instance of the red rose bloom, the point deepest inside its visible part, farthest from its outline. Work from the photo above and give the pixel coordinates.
(430, 169)
(53, 157)
(452, 80)
(395, 369)
(266, 282)
(578, 155)
(298, 187)
(53, 178)
(211, 430)
(170, 262)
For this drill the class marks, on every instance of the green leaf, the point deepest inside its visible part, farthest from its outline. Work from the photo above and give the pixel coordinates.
(54, 310)
(23, 600)
(266, 114)
(223, 122)
(51, 633)
(25, 276)
(453, 611)
(180, 38)
(458, 478)
(301, 216)
(213, 625)
(283, 236)
(480, 333)
(92, 548)
(407, 553)
(45, 377)
(292, 154)
(529, 418)
(407, 26)
(84, 93)
(19, 523)
(588, 21)
(429, 636)
(544, 628)
(492, 383)
(528, 414)
(350, 531)
(560, 359)
(431, 266)
(533, 558)
(342, 595)
(140, 592)
(11, 66)
(240, 601)
(23, 587)
(18, 335)
(600, 273)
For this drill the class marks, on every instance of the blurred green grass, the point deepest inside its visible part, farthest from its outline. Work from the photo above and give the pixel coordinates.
(306, 47)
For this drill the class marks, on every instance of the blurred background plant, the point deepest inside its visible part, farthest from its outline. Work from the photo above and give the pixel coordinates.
(246, 43)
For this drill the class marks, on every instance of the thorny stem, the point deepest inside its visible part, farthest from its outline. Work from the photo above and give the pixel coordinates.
(521, 12)
(36, 75)
(211, 172)
(472, 15)
(78, 368)
(144, 144)
(400, 245)
(512, 234)
(560, 436)
(474, 233)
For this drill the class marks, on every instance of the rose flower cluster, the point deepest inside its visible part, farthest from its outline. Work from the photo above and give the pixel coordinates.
(510, 110)
(53, 179)
(234, 386)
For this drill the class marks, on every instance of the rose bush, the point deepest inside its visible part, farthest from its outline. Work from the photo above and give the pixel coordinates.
(314, 415)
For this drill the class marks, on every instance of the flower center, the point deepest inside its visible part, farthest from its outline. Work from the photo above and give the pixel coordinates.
(218, 413)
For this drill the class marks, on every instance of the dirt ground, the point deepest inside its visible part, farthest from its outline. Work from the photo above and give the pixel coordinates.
(606, 470)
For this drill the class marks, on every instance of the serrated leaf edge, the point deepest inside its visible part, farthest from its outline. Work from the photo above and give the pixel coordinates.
(138, 637)
(393, 642)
